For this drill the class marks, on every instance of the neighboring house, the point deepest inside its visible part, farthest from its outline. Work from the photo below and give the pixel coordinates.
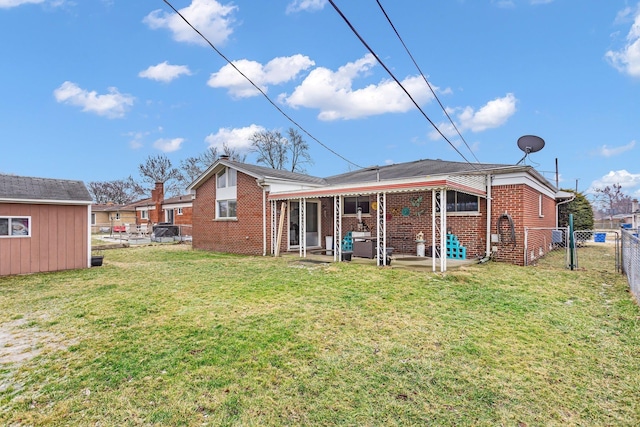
(248, 209)
(44, 225)
(156, 209)
(108, 217)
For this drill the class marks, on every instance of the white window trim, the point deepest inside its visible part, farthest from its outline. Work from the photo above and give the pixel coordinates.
(540, 206)
(179, 211)
(226, 218)
(13, 236)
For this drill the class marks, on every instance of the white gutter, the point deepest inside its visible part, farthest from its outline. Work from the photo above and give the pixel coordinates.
(46, 201)
(562, 203)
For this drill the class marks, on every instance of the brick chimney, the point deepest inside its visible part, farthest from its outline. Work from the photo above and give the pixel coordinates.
(157, 198)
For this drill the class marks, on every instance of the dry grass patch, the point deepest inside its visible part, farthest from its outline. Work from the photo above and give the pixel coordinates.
(170, 336)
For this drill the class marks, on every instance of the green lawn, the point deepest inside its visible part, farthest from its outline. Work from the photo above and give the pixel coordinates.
(164, 335)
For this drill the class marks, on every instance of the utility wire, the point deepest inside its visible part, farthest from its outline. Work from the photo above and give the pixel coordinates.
(259, 89)
(337, 9)
(425, 79)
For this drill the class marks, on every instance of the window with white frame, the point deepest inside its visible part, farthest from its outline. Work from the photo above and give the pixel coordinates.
(179, 211)
(226, 178)
(117, 216)
(226, 209)
(351, 205)
(93, 219)
(461, 202)
(15, 226)
(226, 194)
(144, 214)
(540, 206)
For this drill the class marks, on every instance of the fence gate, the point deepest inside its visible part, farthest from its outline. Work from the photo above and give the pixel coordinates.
(593, 248)
(538, 242)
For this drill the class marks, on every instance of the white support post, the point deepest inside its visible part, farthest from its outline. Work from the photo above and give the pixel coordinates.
(302, 226)
(274, 226)
(381, 216)
(443, 230)
(337, 228)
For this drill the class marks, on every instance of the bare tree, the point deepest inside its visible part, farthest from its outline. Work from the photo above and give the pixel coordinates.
(159, 169)
(119, 191)
(273, 149)
(613, 200)
(299, 149)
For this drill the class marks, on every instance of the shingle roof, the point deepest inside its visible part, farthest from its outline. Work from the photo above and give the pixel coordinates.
(14, 187)
(265, 172)
(418, 168)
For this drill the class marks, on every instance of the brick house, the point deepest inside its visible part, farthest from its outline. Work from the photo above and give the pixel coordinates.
(44, 225)
(156, 209)
(248, 209)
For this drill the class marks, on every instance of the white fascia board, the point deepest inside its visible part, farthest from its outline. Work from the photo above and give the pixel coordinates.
(177, 205)
(47, 202)
(388, 186)
(522, 178)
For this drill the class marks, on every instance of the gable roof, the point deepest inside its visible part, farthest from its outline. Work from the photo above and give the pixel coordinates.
(261, 173)
(23, 189)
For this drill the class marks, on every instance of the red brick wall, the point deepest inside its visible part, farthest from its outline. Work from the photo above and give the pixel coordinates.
(522, 204)
(402, 230)
(243, 235)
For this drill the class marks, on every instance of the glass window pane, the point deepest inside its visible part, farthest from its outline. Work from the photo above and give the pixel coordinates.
(232, 177)
(4, 226)
(222, 209)
(222, 179)
(19, 227)
(350, 205)
(232, 208)
(363, 203)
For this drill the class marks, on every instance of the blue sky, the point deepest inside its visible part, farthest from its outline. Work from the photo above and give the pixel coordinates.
(89, 89)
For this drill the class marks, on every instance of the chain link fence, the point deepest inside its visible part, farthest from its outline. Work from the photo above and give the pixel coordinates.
(593, 239)
(631, 260)
(540, 241)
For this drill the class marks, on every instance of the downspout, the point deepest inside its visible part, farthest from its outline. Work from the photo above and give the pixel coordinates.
(562, 203)
(489, 210)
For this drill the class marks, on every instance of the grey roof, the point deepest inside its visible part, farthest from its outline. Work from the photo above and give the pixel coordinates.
(418, 168)
(265, 172)
(14, 187)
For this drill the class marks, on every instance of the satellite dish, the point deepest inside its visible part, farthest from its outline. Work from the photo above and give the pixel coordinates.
(530, 143)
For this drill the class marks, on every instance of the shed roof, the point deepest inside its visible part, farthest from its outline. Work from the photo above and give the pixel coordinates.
(24, 189)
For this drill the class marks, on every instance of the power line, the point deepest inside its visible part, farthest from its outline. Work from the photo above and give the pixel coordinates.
(425, 79)
(337, 9)
(258, 88)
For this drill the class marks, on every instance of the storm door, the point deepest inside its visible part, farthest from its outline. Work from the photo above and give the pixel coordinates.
(311, 220)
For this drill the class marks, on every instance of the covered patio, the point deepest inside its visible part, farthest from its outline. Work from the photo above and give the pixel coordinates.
(396, 215)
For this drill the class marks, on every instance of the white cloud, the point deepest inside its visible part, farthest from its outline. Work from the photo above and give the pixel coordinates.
(164, 72)
(7, 4)
(493, 114)
(614, 151)
(332, 93)
(278, 70)
(168, 145)
(627, 180)
(111, 105)
(211, 18)
(305, 5)
(236, 139)
(627, 59)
